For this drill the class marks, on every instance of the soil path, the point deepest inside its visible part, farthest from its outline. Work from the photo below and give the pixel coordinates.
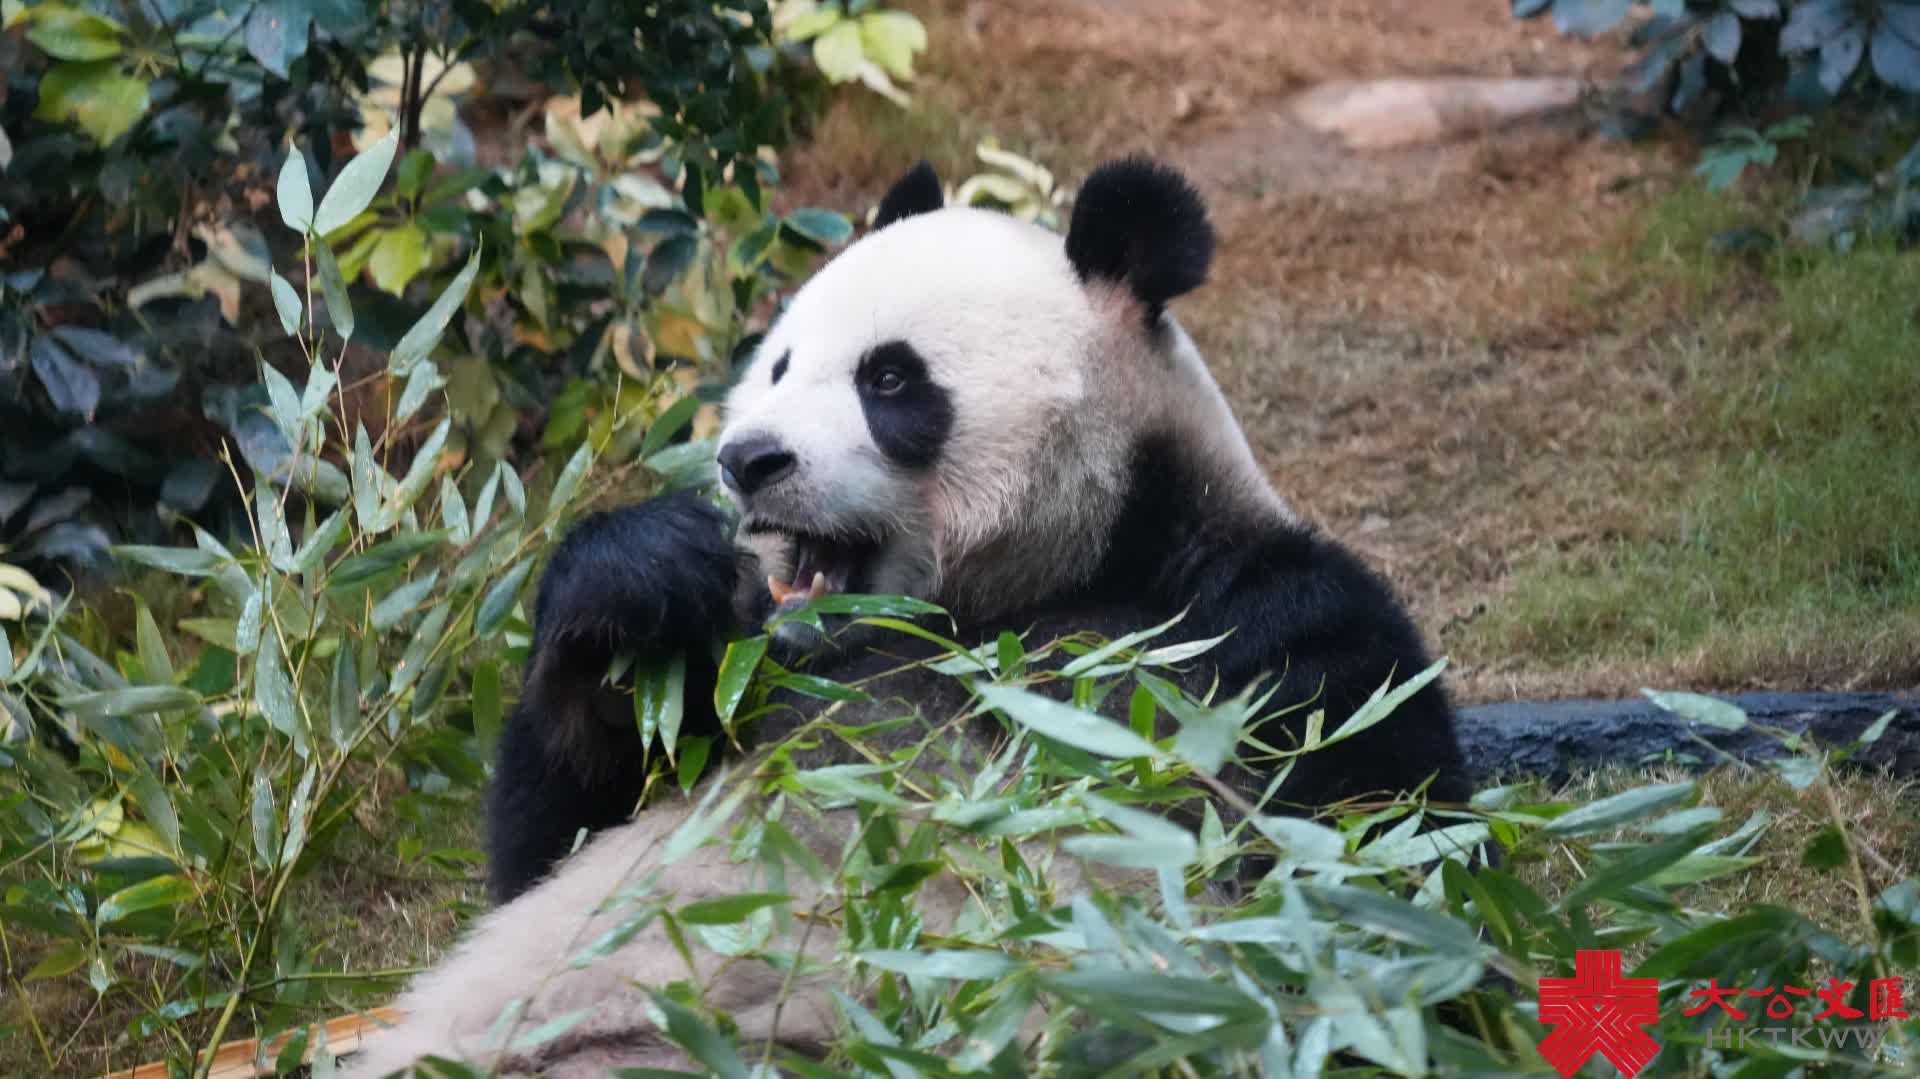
(1396, 327)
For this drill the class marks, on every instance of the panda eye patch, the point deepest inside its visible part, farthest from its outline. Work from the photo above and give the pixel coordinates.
(890, 370)
(908, 413)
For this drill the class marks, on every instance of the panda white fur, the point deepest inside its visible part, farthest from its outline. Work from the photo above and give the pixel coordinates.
(962, 408)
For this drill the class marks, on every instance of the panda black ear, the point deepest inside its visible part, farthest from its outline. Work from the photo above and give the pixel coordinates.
(1141, 223)
(917, 192)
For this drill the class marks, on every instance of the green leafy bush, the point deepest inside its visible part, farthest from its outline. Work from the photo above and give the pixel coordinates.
(162, 812)
(1808, 50)
(851, 40)
(135, 218)
(1736, 62)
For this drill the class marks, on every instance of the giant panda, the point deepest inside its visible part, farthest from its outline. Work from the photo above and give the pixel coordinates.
(960, 407)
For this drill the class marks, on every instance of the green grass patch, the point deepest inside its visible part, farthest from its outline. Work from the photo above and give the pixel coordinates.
(1794, 551)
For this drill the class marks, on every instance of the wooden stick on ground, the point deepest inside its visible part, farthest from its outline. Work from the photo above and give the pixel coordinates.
(234, 1060)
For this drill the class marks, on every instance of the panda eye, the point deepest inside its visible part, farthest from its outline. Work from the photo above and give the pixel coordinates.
(888, 381)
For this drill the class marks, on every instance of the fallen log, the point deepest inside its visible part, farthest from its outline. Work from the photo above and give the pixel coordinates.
(1556, 739)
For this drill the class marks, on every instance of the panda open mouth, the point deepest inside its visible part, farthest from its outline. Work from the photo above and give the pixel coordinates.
(821, 565)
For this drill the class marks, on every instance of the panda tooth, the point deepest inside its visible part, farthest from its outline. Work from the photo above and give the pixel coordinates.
(779, 589)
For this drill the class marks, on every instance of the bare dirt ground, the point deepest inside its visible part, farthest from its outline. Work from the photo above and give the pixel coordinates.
(1398, 329)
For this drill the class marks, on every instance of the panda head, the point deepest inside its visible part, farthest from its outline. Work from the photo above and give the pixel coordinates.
(948, 409)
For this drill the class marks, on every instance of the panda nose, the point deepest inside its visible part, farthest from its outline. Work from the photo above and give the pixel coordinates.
(753, 462)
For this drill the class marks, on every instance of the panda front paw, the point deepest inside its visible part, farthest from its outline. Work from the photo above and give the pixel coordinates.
(659, 573)
(650, 581)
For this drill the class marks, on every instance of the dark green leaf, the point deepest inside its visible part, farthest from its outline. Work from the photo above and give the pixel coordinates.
(667, 222)
(824, 227)
(286, 303)
(669, 424)
(660, 702)
(564, 487)
(1065, 724)
(343, 695)
(1877, 728)
(736, 674)
(666, 262)
(1827, 850)
(320, 542)
(131, 701)
(487, 709)
(727, 909)
(750, 250)
(98, 96)
(415, 169)
(70, 385)
(155, 892)
(616, 938)
(1701, 709)
(402, 601)
(694, 751)
(458, 182)
(1696, 951)
(1691, 84)
(701, 1041)
(1589, 17)
(1812, 23)
(1839, 57)
(1632, 866)
(420, 339)
(1631, 805)
(62, 961)
(353, 190)
(273, 692)
(362, 568)
(1396, 918)
(1896, 57)
(500, 599)
(67, 33)
(962, 965)
(551, 1029)
(277, 34)
(1137, 992)
(295, 194)
(334, 288)
(812, 685)
(1722, 37)
(98, 349)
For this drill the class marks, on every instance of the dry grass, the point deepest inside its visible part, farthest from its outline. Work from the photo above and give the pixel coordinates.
(1878, 814)
(365, 910)
(1469, 360)
(1404, 334)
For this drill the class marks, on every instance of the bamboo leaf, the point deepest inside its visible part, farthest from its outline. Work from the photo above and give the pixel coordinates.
(354, 189)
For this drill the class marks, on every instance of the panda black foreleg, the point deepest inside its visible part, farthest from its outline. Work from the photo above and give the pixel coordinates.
(1306, 612)
(653, 581)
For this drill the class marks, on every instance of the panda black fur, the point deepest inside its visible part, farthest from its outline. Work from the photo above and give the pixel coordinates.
(1023, 436)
